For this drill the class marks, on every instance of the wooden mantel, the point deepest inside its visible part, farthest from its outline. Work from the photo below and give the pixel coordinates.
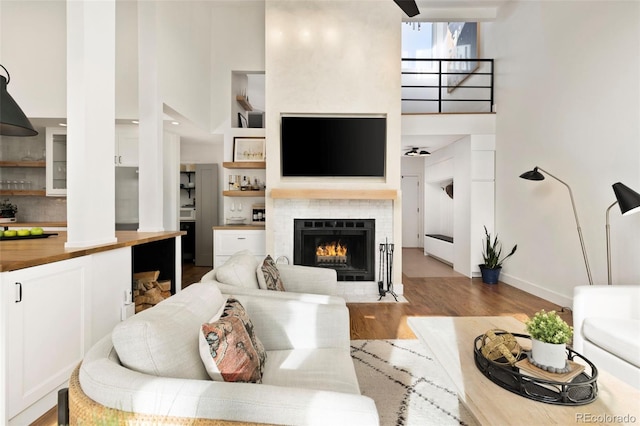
(334, 194)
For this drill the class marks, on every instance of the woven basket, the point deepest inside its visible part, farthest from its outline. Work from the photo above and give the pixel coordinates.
(498, 344)
(85, 411)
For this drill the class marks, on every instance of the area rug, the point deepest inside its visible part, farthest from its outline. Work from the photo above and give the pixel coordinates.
(407, 384)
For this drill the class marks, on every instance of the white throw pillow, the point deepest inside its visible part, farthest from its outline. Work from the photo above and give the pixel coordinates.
(239, 270)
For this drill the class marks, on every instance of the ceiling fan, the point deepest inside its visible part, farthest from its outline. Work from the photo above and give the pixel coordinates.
(417, 152)
(409, 7)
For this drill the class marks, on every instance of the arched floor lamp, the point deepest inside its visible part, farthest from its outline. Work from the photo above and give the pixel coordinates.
(536, 175)
(629, 202)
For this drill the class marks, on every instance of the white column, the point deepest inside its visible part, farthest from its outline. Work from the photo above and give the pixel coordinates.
(90, 122)
(150, 128)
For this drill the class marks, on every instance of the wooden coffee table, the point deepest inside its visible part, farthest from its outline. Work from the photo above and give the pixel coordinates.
(451, 341)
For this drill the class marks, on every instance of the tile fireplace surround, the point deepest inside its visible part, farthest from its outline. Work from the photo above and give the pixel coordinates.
(286, 210)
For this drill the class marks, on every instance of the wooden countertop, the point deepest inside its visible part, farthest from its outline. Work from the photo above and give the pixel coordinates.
(19, 254)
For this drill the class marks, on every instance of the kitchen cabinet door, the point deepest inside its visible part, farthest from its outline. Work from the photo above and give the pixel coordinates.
(56, 168)
(46, 331)
(126, 152)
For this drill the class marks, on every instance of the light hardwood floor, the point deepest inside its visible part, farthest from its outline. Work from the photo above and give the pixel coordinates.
(432, 289)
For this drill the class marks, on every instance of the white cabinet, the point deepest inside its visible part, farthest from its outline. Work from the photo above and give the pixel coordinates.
(226, 242)
(56, 167)
(47, 332)
(126, 146)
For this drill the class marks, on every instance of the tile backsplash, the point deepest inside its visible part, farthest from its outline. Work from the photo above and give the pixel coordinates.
(40, 209)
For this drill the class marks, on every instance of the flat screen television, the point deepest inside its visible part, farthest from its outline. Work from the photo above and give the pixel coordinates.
(333, 146)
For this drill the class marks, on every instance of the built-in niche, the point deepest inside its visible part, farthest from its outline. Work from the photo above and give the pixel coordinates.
(248, 99)
(439, 216)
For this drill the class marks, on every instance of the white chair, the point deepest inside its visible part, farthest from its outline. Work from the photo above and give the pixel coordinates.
(606, 322)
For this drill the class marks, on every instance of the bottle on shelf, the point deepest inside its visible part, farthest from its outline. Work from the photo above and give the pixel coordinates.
(244, 186)
(255, 186)
(232, 183)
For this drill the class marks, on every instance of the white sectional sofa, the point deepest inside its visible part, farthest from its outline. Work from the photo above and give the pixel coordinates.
(240, 275)
(606, 322)
(149, 369)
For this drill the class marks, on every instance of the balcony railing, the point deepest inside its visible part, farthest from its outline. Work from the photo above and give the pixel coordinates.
(447, 85)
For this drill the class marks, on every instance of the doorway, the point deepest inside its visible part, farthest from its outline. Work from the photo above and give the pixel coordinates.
(411, 213)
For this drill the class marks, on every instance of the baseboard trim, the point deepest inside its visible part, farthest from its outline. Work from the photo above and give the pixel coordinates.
(536, 290)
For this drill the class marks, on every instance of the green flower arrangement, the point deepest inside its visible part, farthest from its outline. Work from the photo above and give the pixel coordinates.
(549, 327)
(7, 209)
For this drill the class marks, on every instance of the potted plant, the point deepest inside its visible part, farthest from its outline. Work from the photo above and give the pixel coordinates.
(491, 252)
(7, 210)
(549, 337)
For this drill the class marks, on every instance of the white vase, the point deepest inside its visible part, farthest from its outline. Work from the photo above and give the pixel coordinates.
(549, 354)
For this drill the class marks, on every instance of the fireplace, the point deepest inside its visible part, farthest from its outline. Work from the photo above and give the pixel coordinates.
(346, 245)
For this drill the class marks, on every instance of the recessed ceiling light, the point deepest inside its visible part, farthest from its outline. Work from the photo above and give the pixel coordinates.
(135, 121)
(175, 123)
(62, 124)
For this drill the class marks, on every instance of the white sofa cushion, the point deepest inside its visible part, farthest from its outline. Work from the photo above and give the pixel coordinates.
(163, 340)
(328, 369)
(615, 335)
(239, 270)
(229, 348)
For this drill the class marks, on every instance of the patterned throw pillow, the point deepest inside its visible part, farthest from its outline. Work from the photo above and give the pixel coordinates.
(271, 274)
(229, 348)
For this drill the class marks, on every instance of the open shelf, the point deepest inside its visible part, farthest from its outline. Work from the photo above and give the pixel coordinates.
(244, 103)
(23, 163)
(23, 192)
(244, 165)
(243, 193)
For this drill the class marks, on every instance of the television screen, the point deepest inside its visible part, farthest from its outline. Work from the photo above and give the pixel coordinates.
(333, 146)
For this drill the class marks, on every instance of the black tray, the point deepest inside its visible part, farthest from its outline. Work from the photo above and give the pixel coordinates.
(27, 237)
(582, 390)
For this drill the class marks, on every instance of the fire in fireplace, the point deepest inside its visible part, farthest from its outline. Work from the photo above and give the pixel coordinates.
(346, 245)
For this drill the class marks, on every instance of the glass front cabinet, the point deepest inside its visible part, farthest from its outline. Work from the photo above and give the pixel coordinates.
(56, 141)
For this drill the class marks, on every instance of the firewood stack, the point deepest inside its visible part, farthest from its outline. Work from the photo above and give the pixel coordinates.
(148, 291)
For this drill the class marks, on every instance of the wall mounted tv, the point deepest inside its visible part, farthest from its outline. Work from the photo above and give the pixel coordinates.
(333, 145)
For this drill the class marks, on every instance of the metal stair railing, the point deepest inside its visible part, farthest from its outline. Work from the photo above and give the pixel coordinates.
(431, 85)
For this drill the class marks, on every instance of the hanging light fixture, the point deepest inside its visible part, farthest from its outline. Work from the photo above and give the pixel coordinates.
(409, 7)
(13, 122)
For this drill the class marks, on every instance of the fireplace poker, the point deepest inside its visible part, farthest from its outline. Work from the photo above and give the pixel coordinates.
(381, 291)
(390, 271)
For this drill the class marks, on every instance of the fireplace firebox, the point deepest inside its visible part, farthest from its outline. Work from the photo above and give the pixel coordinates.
(346, 245)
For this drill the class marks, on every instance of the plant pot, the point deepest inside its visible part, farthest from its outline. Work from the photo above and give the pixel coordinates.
(490, 275)
(8, 213)
(549, 355)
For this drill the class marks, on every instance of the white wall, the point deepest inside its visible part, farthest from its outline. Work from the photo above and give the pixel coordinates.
(568, 100)
(237, 34)
(343, 60)
(33, 46)
(184, 58)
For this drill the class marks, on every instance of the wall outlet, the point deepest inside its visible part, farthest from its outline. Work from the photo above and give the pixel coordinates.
(128, 311)
(128, 297)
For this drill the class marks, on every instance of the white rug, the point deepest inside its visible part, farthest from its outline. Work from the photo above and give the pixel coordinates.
(407, 384)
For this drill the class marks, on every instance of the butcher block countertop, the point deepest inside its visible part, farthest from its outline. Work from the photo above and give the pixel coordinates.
(19, 254)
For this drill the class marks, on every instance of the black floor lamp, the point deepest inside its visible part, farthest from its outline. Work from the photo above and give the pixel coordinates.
(536, 175)
(629, 202)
